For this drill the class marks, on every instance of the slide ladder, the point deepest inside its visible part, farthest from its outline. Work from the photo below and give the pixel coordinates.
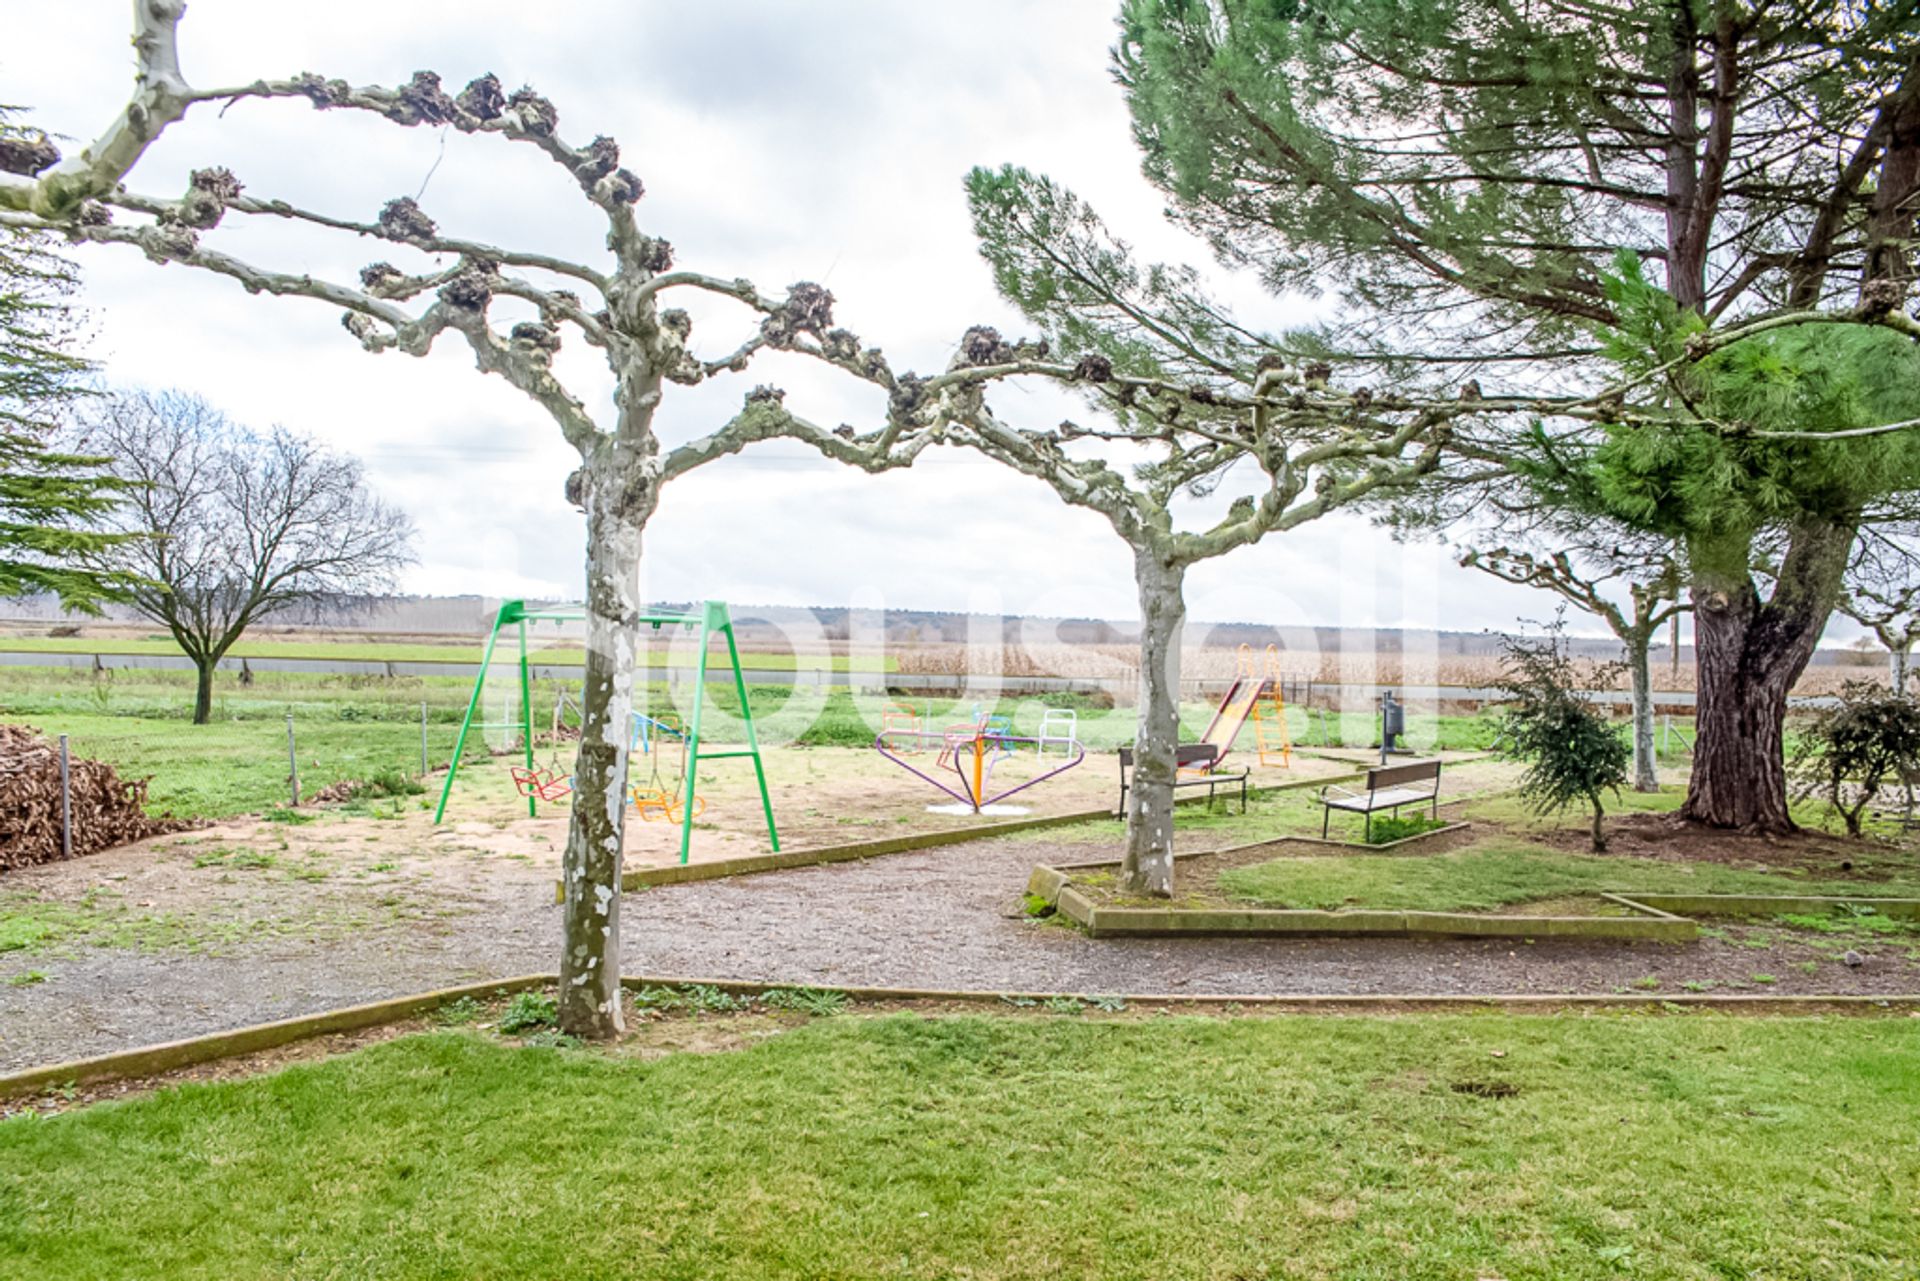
(1254, 696)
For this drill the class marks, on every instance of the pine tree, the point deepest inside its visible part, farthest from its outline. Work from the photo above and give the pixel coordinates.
(1462, 176)
(50, 500)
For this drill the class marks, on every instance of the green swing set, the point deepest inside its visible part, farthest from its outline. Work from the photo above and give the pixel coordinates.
(711, 619)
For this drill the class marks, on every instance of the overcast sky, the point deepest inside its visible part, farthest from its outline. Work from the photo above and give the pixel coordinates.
(779, 141)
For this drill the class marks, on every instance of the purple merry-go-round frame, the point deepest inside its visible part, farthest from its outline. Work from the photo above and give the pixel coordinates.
(956, 740)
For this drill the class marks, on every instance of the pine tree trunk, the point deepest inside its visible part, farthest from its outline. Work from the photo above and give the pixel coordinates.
(203, 668)
(1749, 654)
(1646, 775)
(1147, 867)
(590, 957)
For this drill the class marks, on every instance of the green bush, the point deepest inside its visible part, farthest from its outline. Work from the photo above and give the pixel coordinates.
(1393, 828)
(1571, 752)
(528, 1011)
(1850, 751)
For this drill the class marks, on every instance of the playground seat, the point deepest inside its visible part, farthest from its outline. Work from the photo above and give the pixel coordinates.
(904, 720)
(1388, 788)
(656, 806)
(998, 729)
(1195, 766)
(544, 785)
(1058, 725)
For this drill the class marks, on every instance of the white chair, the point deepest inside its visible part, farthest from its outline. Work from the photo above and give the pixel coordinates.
(1059, 725)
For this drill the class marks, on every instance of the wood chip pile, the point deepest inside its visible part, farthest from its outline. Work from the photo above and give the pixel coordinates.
(107, 809)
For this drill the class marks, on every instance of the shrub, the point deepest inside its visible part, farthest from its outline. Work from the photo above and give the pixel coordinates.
(1387, 830)
(528, 1011)
(1571, 752)
(1850, 751)
(388, 782)
(821, 1002)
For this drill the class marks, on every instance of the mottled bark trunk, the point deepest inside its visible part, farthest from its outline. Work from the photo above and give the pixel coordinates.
(590, 957)
(1646, 774)
(1749, 653)
(1599, 826)
(1147, 867)
(203, 668)
(1897, 656)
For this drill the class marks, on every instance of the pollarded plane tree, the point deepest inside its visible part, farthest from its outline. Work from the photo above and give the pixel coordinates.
(1882, 594)
(1592, 577)
(457, 286)
(1463, 177)
(1200, 394)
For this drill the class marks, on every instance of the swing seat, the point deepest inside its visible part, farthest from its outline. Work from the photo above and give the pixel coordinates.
(542, 785)
(655, 805)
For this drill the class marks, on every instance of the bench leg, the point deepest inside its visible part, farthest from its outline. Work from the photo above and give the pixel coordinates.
(1243, 795)
(1326, 816)
(1369, 827)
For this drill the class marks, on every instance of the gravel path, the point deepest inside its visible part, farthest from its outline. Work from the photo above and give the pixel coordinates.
(944, 918)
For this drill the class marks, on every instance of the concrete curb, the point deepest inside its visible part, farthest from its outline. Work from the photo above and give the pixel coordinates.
(1054, 883)
(154, 1059)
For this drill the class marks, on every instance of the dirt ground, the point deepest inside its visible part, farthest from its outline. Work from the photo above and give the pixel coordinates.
(821, 796)
(251, 921)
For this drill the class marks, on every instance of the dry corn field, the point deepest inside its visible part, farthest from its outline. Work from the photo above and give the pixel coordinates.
(1119, 662)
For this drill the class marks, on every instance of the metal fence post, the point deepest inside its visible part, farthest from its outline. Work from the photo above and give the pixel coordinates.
(293, 762)
(66, 801)
(423, 739)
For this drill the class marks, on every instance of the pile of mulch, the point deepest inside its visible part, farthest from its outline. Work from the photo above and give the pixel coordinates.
(107, 810)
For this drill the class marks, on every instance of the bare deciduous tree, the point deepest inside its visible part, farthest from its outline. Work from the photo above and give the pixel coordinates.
(1882, 594)
(228, 527)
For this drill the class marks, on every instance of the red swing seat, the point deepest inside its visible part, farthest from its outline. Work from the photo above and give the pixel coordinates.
(543, 785)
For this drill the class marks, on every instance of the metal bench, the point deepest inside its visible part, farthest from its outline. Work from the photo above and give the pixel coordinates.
(1388, 788)
(1194, 767)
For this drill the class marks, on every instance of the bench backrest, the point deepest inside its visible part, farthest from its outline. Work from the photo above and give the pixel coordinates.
(1384, 776)
(1185, 755)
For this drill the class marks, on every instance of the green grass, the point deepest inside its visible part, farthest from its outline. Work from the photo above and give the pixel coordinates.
(240, 767)
(1032, 1147)
(1499, 872)
(35, 927)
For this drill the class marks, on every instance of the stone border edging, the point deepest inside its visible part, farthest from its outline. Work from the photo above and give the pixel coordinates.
(154, 1059)
(1903, 909)
(746, 864)
(1055, 885)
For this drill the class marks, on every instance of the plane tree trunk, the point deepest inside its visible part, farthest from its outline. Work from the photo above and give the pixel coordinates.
(1147, 867)
(1646, 774)
(617, 512)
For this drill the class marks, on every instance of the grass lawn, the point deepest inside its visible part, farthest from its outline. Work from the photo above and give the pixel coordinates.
(240, 767)
(1497, 873)
(1565, 1147)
